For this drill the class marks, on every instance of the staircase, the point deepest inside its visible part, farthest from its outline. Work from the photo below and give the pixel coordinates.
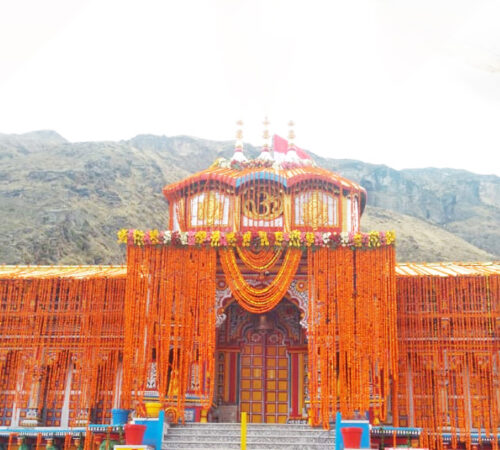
(259, 436)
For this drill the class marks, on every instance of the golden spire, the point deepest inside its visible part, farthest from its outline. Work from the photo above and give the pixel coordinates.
(291, 154)
(265, 155)
(291, 134)
(238, 155)
(239, 135)
(265, 134)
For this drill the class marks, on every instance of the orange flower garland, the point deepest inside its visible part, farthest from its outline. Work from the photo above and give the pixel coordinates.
(59, 320)
(68, 323)
(170, 321)
(259, 300)
(352, 342)
(449, 331)
(260, 260)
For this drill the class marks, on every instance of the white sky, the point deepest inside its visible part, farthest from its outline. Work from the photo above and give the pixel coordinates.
(399, 82)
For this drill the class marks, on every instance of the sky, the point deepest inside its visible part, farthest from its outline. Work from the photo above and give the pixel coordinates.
(406, 83)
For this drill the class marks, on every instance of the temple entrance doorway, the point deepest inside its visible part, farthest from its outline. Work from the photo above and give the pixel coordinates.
(264, 375)
(262, 365)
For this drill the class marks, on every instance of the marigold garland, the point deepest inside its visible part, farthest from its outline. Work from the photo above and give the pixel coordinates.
(259, 261)
(257, 239)
(449, 339)
(170, 321)
(259, 300)
(352, 342)
(53, 324)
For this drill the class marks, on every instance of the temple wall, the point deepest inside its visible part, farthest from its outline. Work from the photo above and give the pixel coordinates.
(62, 344)
(449, 346)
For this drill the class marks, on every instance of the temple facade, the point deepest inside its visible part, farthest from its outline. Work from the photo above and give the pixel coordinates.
(261, 296)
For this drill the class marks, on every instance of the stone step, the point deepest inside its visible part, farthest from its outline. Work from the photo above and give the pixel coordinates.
(249, 425)
(195, 445)
(250, 428)
(232, 436)
(253, 438)
(222, 436)
(250, 432)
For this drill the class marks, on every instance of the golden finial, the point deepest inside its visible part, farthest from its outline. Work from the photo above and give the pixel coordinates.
(239, 134)
(291, 133)
(265, 134)
(238, 156)
(266, 126)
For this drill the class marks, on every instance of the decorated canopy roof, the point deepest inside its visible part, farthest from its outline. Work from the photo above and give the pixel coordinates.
(265, 194)
(288, 178)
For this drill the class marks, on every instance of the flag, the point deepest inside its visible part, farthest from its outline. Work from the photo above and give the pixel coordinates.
(280, 148)
(280, 145)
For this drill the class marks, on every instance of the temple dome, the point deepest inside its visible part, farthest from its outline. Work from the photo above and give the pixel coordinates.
(265, 197)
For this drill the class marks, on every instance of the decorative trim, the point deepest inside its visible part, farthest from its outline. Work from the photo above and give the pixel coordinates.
(221, 295)
(301, 296)
(257, 239)
(32, 418)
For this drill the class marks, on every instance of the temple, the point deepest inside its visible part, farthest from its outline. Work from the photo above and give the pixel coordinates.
(261, 296)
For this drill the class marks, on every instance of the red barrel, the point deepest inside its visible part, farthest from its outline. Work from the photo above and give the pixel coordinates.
(134, 433)
(351, 437)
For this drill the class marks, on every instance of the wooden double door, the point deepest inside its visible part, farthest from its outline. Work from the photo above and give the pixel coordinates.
(264, 377)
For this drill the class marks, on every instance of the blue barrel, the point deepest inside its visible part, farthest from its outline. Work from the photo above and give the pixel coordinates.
(119, 416)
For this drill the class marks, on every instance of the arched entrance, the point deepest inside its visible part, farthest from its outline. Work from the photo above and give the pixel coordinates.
(261, 365)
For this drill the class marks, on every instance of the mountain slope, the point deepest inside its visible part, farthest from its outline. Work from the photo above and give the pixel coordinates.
(421, 241)
(63, 202)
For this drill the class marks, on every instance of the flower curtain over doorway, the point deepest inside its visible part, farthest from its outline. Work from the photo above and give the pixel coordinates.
(352, 342)
(169, 324)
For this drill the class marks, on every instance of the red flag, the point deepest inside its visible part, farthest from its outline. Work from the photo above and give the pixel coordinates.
(280, 145)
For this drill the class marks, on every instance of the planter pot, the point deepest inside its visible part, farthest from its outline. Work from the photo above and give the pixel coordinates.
(153, 409)
(119, 416)
(351, 437)
(134, 433)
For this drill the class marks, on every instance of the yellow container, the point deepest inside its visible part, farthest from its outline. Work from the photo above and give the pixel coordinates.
(153, 409)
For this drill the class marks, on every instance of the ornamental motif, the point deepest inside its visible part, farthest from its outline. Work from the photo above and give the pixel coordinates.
(194, 384)
(151, 380)
(222, 293)
(289, 315)
(210, 210)
(298, 292)
(262, 204)
(315, 211)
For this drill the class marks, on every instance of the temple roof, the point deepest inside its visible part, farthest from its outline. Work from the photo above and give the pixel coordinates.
(447, 269)
(288, 177)
(27, 272)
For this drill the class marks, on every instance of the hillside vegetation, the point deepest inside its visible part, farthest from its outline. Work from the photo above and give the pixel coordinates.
(62, 202)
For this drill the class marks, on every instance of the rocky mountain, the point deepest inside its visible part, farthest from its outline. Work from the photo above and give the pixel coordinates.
(62, 202)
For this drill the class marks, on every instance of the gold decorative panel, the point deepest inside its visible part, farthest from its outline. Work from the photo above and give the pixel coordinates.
(209, 209)
(316, 209)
